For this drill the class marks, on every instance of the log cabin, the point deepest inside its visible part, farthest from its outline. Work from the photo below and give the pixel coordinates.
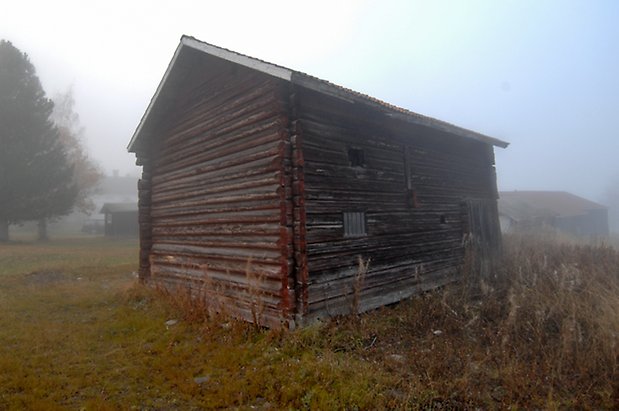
(281, 198)
(121, 219)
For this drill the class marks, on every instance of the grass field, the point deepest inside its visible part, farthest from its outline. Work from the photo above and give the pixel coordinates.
(78, 332)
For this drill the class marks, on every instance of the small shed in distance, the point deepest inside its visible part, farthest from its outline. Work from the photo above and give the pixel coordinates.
(121, 219)
(263, 187)
(526, 211)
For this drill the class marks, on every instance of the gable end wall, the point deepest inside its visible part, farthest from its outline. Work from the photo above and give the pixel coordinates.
(215, 213)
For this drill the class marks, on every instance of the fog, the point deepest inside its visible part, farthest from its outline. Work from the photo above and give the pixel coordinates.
(541, 75)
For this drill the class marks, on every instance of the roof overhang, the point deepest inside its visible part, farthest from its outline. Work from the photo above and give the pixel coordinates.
(302, 80)
(118, 208)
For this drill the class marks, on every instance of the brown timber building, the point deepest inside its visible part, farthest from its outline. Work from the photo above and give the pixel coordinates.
(263, 186)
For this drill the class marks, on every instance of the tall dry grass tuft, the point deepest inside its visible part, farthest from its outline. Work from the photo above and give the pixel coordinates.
(256, 294)
(200, 301)
(207, 298)
(192, 306)
(561, 308)
(547, 318)
(358, 282)
(541, 330)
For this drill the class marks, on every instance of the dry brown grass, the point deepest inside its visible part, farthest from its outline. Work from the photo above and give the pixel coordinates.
(556, 311)
(541, 332)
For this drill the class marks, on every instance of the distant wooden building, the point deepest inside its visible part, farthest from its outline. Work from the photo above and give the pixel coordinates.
(525, 211)
(263, 187)
(121, 219)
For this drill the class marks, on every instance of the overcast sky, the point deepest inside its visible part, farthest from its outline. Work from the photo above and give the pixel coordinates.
(543, 75)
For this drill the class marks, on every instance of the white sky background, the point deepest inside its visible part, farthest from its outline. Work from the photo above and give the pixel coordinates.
(543, 75)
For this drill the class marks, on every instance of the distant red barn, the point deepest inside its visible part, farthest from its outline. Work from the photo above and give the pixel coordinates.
(263, 186)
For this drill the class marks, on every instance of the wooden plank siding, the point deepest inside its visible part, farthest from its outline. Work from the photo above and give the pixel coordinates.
(413, 188)
(219, 211)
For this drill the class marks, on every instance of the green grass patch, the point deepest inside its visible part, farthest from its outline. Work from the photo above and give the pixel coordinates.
(90, 255)
(77, 331)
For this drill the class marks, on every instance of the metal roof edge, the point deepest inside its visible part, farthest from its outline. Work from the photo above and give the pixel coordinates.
(249, 62)
(453, 129)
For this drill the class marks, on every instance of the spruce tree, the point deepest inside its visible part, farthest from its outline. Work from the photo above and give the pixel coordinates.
(36, 178)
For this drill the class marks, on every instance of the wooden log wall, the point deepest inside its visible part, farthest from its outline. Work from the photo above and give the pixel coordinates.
(484, 235)
(412, 186)
(145, 226)
(219, 212)
(297, 184)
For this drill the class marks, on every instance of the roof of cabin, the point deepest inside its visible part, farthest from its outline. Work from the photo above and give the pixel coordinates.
(118, 208)
(296, 77)
(523, 205)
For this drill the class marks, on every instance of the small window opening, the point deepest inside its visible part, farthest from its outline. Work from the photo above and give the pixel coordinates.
(443, 219)
(356, 157)
(354, 224)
